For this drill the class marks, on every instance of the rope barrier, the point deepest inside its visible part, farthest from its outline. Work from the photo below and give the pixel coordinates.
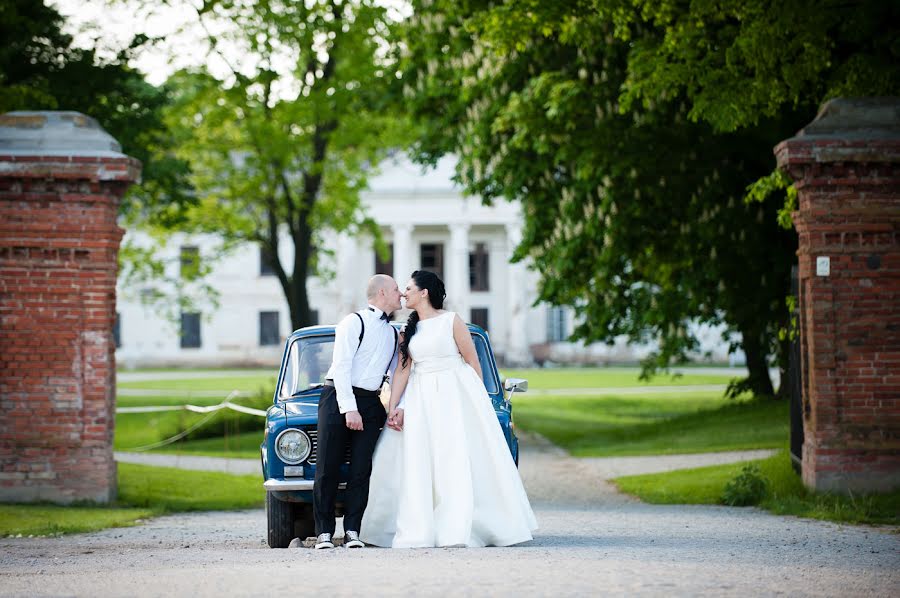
(211, 410)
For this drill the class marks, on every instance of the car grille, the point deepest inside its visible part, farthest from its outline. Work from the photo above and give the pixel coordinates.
(314, 440)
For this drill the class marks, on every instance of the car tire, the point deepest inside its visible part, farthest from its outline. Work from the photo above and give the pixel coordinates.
(304, 522)
(280, 517)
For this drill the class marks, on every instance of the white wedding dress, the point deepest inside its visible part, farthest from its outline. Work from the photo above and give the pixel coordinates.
(448, 478)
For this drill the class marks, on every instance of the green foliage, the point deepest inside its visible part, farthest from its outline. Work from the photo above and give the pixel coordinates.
(286, 141)
(170, 490)
(143, 492)
(739, 62)
(653, 423)
(786, 493)
(775, 182)
(40, 69)
(746, 489)
(53, 520)
(634, 217)
(227, 422)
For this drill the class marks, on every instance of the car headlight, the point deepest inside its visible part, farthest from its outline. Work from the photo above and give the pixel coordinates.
(292, 446)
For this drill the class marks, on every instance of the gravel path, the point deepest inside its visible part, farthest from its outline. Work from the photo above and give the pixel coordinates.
(592, 541)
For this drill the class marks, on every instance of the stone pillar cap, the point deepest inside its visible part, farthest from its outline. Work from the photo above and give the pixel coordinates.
(55, 133)
(851, 118)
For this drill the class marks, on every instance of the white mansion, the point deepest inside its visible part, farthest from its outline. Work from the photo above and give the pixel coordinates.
(428, 223)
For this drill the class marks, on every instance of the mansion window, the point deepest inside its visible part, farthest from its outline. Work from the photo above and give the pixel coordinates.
(190, 330)
(268, 328)
(480, 317)
(265, 264)
(385, 266)
(190, 262)
(556, 325)
(478, 268)
(431, 257)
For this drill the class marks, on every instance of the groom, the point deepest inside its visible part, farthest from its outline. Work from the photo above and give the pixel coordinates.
(350, 411)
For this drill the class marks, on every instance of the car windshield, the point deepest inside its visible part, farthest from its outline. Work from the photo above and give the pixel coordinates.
(310, 357)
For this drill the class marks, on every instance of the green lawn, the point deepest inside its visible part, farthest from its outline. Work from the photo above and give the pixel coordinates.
(248, 383)
(605, 377)
(143, 492)
(676, 422)
(141, 429)
(183, 399)
(695, 422)
(786, 493)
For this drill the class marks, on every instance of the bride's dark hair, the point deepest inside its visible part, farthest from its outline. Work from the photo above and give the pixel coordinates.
(426, 281)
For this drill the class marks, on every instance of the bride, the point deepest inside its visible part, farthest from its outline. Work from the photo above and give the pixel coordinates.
(442, 474)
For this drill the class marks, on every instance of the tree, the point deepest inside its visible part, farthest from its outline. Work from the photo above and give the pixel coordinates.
(285, 141)
(40, 69)
(635, 217)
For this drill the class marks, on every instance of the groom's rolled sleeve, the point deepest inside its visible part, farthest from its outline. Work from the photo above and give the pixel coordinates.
(346, 338)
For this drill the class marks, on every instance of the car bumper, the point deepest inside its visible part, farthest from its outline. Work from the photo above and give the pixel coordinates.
(275, 485)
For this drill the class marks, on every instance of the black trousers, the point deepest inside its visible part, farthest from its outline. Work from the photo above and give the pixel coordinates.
(334, 435)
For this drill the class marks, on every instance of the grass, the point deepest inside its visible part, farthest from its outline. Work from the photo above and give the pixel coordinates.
(786, 493)
(141, 429)
(183, 399)
(248, 383)
(673, 423)
(144, 491)
(606, 377)
(54, 520)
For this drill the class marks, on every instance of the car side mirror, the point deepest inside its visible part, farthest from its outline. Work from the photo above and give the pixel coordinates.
(515, 385)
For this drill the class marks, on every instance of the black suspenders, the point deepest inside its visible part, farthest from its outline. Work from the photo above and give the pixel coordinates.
(362, 333)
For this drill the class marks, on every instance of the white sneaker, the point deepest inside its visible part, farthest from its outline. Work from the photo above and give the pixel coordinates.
(351, 540)
(324, 541)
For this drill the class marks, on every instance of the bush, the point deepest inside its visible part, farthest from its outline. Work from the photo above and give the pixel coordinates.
(747, 488)
(226, 422)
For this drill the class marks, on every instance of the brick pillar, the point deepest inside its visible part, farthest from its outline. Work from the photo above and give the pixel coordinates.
(61, 180)
(846, 169)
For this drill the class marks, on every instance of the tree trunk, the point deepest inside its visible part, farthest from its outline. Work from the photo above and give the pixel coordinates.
(299, 303)
(757, 364)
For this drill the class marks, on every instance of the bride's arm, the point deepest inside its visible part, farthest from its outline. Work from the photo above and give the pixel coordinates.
(398, 384)
(465, 345)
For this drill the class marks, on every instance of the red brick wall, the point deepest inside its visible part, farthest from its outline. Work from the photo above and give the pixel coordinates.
(849, 211)
(58, 262)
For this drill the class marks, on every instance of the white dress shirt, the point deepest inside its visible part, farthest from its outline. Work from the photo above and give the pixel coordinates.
(363, 367)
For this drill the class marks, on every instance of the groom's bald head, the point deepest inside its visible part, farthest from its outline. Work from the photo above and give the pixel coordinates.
(377, 283)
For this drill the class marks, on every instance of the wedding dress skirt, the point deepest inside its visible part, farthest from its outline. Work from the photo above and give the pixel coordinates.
(448, 478)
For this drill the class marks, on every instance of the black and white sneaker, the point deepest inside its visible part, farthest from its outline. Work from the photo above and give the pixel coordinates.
(351, 540)
(324, 541)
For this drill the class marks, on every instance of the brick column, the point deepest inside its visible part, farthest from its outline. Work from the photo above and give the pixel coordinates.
(61, 180)
(846, 168)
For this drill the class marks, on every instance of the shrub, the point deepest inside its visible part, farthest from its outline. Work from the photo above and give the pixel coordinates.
(747, 488)
(227, 422)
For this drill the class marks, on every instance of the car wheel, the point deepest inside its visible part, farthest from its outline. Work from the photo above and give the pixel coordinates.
(304, 522)
(280, 517)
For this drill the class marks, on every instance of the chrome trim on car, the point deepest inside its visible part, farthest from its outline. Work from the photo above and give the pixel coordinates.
(275, 485)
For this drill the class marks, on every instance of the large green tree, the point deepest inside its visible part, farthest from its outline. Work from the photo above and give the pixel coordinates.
(41, 69)
(281, 145)
(635, 210)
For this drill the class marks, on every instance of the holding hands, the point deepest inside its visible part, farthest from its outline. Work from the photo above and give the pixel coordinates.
(395, 420)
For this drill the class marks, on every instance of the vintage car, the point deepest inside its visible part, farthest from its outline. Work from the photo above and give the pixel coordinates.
(288, 450)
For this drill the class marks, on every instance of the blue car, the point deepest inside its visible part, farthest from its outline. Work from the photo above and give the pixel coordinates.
(291, 428)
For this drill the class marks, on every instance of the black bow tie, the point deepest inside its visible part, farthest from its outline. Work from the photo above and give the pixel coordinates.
(384, 315)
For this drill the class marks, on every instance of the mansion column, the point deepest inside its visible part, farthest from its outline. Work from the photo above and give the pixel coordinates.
(457, 272)
(351, 281)
(517, 352)
(403, 253)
